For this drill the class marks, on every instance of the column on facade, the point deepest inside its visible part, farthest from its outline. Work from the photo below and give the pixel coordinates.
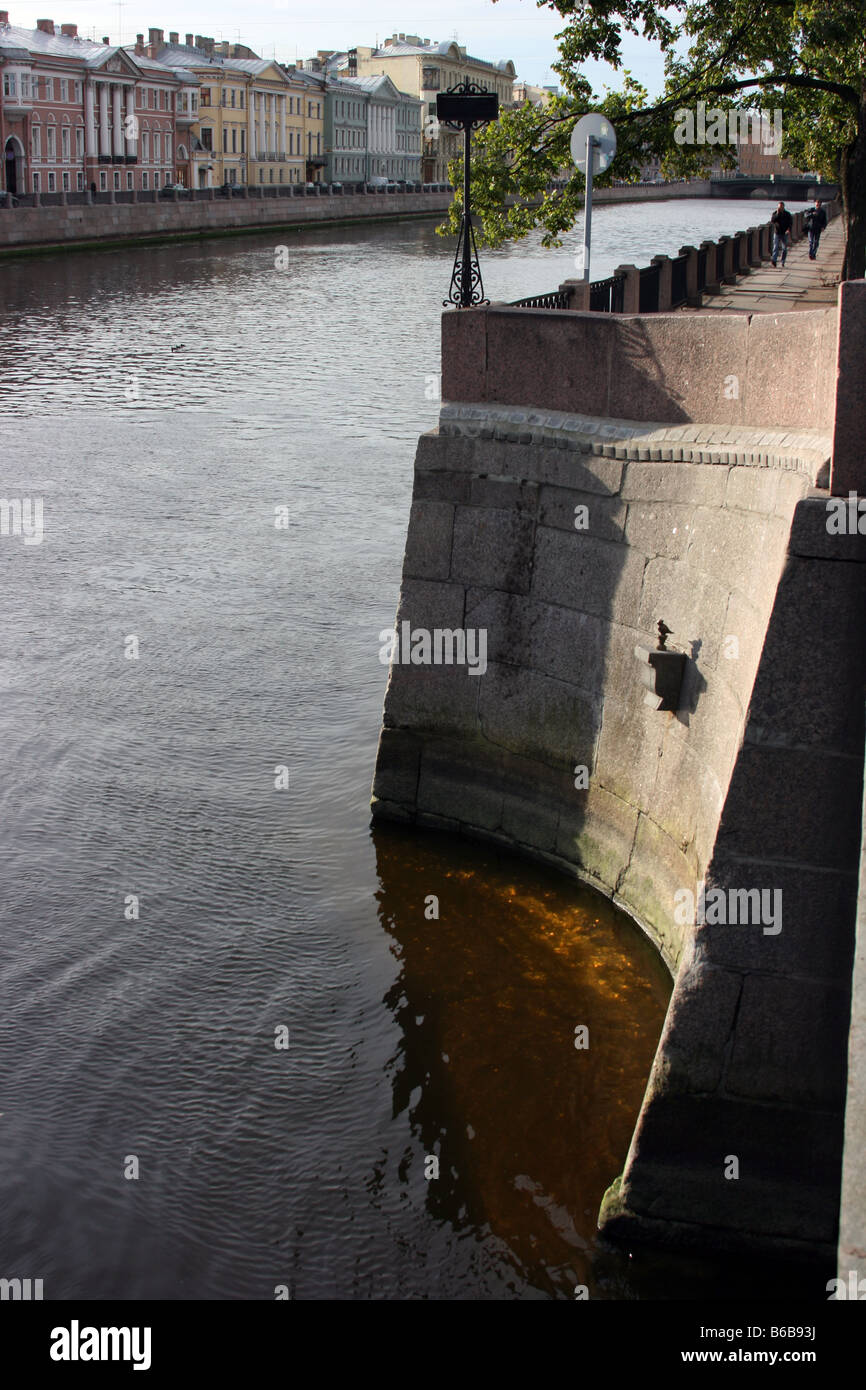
(260, 124)
(104, 134)
(281, 127)
(89, 122)
(131, 123)
(117, 118)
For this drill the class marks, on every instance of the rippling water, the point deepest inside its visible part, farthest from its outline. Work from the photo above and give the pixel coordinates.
(164, 402)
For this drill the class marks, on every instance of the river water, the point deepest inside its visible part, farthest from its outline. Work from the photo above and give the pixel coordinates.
(234, 1051)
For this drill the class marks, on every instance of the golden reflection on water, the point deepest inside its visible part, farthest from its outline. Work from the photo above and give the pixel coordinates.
(529, 1130)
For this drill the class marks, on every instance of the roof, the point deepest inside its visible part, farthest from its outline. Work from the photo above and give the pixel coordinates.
(17, 43)
(448, 48)
(34, 41)
(179, 55)
(377, 81)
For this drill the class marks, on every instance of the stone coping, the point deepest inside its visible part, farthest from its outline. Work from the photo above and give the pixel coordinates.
(802, 450)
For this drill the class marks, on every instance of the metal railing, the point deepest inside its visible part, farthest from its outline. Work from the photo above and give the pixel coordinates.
(649, 290)
(558, 299)
(607, 296)
(679, 285)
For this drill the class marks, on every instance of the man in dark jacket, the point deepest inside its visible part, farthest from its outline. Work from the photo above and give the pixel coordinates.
(815, 221)
(782, 223)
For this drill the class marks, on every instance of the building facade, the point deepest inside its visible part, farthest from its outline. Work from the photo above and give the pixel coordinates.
(77, 115)
(345, 132)
(424, 69)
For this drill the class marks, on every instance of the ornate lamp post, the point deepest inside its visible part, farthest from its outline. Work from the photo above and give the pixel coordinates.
(466, 107)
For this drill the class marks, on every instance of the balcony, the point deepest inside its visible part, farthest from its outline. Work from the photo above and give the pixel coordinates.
(186, 118)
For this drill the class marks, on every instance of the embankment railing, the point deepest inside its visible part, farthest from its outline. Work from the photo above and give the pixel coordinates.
(670, 282)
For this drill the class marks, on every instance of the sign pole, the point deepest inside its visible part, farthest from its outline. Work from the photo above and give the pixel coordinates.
(591, 144)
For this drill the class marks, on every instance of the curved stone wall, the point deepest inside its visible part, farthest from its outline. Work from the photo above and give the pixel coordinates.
(567, 559)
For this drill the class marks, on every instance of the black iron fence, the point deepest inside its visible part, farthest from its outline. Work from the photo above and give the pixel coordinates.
(558, 299)
(679, 281)
(607, 296)
(650, 277)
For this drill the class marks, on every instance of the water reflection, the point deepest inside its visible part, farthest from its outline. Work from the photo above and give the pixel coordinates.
(527, 1129)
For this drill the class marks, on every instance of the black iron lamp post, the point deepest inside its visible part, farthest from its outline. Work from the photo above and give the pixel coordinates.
(466, 107)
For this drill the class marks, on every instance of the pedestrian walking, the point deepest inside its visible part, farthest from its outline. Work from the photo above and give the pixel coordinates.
(815, 221)
(782, 222)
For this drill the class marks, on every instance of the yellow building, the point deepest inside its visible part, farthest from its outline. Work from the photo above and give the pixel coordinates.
(256, 121)
(425, 69)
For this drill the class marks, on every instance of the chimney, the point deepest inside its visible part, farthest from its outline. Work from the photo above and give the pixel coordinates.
(154, 36)
(172, 38)
(69, 31)
(4, 16)
(45, 26)
(139, 45)
(106, 40)
(190, 41)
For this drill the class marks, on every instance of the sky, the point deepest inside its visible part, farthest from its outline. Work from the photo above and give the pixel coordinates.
(291, 30)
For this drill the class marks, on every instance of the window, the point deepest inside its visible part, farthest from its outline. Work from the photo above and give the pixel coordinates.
(234, 94)
(225, 140)
(35, 87)
(241, 102)
(50, 142)
(318, 108)
(117, 180)
(163, 99)
(64, 89)
(129, 179)
(145, 147)
(243, 142)
(52, 183)
(79, 142)
(168, 147)
(65, 183)
(234, 139)
(157, 147)
(77, 89)
(151, 104)
(166, 178)
(143, 181)
(225, 100)
(36, 142)
(207, 138)
(10, 84)
(205, 96)
(272, 176)
(79, 178)
(25, 86)
(261, 176)
(49, 88)
(64, 142)
(35, 183)
(430, 79)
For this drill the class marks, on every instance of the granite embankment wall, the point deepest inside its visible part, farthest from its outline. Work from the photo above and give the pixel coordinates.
(105, 223)
(694, 445)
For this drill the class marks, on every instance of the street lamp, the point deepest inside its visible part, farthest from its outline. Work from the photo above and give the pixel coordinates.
(466, 107)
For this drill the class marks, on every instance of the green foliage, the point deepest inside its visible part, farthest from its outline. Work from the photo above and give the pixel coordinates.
(806, 58)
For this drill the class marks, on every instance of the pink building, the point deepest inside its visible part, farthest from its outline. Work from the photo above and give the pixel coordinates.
(77, 115)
